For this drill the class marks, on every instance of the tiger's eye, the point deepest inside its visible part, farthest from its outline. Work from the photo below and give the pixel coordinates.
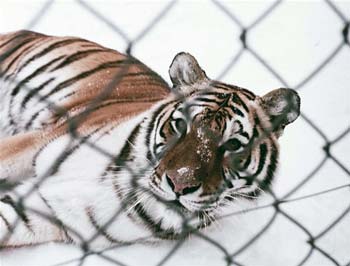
(232, 145)
(237, 162)
(180, 125)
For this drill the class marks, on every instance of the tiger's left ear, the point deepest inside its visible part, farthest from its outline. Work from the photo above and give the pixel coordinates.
(282, 106)
(185, 70)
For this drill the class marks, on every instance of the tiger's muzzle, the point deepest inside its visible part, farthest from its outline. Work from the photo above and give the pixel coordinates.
(193, 162)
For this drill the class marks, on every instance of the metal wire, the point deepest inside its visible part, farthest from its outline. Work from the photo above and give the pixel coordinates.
(228, 255)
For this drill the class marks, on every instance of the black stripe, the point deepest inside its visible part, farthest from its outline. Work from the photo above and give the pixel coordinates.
(8, 53)
(155, 77)
(150, 128)
(228, 114)
(191, 104)
(248, 94)
(105, 104)
(134, 83)
(171, 118)
(154, 74)
(159, 145)
(37, 72)
(224, 126)
(98, 228)
(14, 61)
(244, 134)
(56, 220)
(159, 118)
(26, 80)
(7, 224)
(31, 120)
(247, 162)
(262, 160)
(37, 154)
(34, 91)
(237, 111)
(70, 81)
(120, 161)
(253, 140)
(162, 133)
(241, 130)
(219, 95)
(94, 45)
(151, 125)
(207, 100)
(155, 227)
(18, 35)
(225, 86)
(49, 49)
(236, 99)
(271, 168)
(77, 56)
(255, 130)
(86, 74)
(11, 40)
(18, 208)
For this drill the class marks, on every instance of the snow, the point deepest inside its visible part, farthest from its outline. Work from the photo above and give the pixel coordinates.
(295, 38)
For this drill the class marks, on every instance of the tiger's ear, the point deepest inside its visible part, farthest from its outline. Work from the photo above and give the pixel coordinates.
(185, 70)
(282, 106)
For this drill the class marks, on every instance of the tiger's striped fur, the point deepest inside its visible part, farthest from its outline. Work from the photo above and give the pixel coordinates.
(113, 155)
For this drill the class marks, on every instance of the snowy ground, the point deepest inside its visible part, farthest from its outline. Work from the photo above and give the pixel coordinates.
(294, 39)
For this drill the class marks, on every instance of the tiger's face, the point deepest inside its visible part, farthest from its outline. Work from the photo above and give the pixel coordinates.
(212, 143)
(207, 150)
(203, 147)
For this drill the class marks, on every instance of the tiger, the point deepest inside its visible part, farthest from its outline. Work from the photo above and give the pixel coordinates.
(97, 149)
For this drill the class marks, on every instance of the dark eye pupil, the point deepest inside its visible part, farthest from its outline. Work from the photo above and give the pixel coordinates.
(180, 125)
(232, 145)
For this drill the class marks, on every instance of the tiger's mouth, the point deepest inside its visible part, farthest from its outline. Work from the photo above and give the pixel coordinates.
(184, 204)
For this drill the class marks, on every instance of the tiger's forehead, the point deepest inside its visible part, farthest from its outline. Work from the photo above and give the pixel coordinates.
(222, 90)
(228, 102)
(223, 102)
(222, 113)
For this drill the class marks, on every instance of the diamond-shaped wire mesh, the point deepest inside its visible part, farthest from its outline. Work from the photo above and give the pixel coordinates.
(245, 33)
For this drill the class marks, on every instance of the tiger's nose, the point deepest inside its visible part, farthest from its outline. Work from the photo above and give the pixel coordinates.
(182, 187)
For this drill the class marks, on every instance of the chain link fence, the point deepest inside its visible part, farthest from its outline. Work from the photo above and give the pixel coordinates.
(229, 256)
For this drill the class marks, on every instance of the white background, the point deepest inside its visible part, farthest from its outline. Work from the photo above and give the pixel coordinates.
(295, 38)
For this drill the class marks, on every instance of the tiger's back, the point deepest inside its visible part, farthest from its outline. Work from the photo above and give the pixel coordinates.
(46, 79)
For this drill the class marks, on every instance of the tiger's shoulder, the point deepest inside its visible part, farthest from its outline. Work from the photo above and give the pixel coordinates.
(47, 79)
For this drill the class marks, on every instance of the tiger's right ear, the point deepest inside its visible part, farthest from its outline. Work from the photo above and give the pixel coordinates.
(282, 106)
(185, 70)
